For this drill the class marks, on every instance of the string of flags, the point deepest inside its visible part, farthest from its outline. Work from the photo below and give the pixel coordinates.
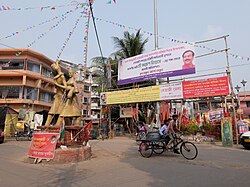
(171, 39)
(109, 2)
(33, 26)
(85, 38)
(69, 36)
(49, 7)
(63, 18)
(6, 8)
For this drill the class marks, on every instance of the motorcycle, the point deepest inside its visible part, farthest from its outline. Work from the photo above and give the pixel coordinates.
(27, 132)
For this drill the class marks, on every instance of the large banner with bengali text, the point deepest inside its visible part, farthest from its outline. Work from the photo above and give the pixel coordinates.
(161, 63)
(187, 89)
(43, 145)
(146, 94)
(206, 87)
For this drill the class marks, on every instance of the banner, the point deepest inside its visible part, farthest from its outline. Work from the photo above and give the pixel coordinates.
(179, 90)
(216, 114)
(226, 132)
(161, 63)
(146, 94)
(206, 87)
(125, 112)
(43, 145)
(171, 91)
(242, 126)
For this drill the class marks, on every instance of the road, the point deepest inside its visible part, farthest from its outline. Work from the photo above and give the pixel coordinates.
(117, 162)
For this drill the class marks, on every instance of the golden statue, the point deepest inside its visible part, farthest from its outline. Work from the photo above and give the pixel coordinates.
(72, 107)
(60, 85)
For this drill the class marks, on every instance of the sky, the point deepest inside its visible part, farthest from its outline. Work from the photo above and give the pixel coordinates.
(179, 20)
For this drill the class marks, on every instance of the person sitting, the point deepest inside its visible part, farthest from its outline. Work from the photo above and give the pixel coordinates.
(142, 127)
(164, 129)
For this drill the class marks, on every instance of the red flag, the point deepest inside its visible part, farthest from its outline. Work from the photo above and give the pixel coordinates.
(90, 124)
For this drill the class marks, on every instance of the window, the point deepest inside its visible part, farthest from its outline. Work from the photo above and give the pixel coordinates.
(46, 97)
(248, 104)
(87, 76)
(46, 72)
(33, 66)
(86, 88)
(11, 64)
(14, 92)
(30, 93)
(85, 113)
(85, 100)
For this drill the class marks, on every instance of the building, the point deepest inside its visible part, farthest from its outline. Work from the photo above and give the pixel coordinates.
(25, 79)
(244, 101)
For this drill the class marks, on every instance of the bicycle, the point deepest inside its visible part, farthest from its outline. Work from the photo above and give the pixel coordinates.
(187, 149)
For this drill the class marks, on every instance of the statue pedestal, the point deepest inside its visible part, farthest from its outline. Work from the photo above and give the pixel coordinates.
(74, 135)
(71, 149)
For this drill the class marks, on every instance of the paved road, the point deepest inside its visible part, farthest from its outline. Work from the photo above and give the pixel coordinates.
(117, 162)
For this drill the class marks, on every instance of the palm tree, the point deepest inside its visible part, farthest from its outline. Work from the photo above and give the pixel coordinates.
(130, 45)
(104, 68)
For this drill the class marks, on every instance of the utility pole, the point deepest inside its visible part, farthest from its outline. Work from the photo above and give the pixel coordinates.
(232, 94)
(156, 47)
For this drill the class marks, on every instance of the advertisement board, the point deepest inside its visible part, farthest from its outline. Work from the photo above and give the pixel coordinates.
(125, 112)
(161, 63)
(187, 89)
(171, 91)
(216, 114)
(206, 87)
(43, 145)
(146, 94)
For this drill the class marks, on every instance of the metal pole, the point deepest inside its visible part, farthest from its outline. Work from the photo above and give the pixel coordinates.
(155, 25)
(232, 90)
(156, 47)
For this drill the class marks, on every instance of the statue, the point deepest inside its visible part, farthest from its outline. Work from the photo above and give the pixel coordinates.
(60, 85)
(72, 107)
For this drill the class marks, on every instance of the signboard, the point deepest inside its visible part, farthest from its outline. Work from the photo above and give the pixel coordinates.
(171, 91)
(187, 89)
(146, 94)
(226, 132)
(242, 126)
(216, 114)
(161, 63)
(103, 99)
(125, 112)
(43, 145)
(206, 87)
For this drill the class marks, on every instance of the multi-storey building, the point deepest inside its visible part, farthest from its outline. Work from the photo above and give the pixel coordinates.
(25, 79)
(244, 101)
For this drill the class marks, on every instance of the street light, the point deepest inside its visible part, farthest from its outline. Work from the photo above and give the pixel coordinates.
(243, 82)
(237, 88)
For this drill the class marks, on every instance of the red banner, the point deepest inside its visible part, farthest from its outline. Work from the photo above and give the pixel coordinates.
(43, 145)
(206, 87)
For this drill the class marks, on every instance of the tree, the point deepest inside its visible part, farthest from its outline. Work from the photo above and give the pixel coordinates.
(103, 68)
(129, 46)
